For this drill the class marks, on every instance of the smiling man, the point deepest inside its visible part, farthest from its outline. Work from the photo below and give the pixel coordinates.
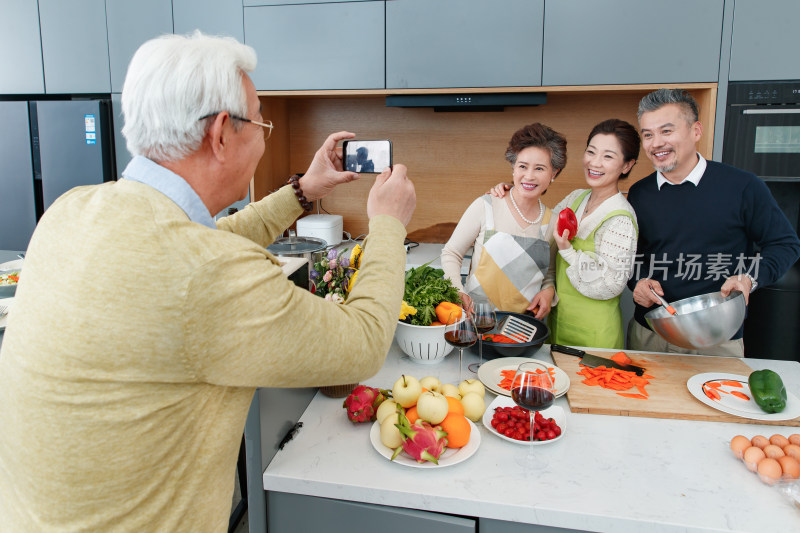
(703, 226)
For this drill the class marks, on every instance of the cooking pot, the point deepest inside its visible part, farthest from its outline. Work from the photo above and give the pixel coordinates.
(294, 246)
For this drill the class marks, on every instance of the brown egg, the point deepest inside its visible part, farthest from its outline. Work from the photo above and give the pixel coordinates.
(739, 444)
(769, 470)
(790, 467)
(792, 450)
(773, 452)
(760, 441)
(778, 440)
(752, 456)
(794, 439)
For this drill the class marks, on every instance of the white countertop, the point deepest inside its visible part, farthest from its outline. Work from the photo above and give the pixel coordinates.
(608, 473)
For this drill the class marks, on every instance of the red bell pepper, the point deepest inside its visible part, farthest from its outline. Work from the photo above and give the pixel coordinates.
(567, 221)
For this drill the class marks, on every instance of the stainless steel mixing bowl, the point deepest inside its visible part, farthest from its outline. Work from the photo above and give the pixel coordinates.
(702, 321)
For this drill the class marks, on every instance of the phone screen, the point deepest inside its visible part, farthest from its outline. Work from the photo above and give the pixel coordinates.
(367, 156)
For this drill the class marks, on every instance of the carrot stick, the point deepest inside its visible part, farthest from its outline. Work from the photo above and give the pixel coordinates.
(741, 395)
(712, 393)
(732, 384)
(630, 395)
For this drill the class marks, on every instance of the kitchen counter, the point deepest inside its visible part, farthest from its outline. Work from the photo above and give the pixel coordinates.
(608, 473)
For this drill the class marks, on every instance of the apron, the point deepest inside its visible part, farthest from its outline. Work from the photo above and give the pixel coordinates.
(578, 320)
(511, 268)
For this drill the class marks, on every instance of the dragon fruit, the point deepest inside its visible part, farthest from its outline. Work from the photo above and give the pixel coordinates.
(363, 403)
(421, 441)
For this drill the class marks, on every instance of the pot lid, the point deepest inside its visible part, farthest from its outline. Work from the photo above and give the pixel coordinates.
(296, 245)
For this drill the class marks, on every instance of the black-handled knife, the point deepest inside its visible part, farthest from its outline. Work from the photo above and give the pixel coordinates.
(592, 361)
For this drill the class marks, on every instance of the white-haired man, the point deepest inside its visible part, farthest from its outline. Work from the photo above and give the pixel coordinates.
(141, 328)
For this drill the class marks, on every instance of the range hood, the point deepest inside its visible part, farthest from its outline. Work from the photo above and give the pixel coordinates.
(466, 102)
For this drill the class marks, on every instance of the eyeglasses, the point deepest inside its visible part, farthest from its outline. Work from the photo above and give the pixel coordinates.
(268, 124)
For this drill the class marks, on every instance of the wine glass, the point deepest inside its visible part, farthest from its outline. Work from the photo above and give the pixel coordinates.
(485, 319)
(460, 332)
(533, 389)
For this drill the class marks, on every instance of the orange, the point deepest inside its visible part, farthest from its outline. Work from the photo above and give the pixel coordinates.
(458, 430)
(411, 414)
(454, 405)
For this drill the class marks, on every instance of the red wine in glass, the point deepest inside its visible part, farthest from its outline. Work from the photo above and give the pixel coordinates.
(484, 325)
(461, 339)
(532, 398)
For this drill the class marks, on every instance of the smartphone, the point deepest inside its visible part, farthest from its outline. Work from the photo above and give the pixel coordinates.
(367, 156)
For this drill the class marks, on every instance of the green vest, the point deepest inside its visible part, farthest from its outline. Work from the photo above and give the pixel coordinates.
(578, 320)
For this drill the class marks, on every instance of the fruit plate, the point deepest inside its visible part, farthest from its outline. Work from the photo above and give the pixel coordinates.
(733, 405)
(490, 374)
(450, 456)
(555, 412)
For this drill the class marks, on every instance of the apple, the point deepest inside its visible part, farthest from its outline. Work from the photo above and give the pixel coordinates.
(450, 390)
(432, 407)
(386, 408)
(406, 390)
(430, 383)
(471, 385)
(473, 406)
(390, 435)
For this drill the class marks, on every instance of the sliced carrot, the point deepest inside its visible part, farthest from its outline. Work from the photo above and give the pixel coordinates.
(737, 384)
(630, 395)
(621, 358)
(741, 395)
(714, 384)
(711, 393)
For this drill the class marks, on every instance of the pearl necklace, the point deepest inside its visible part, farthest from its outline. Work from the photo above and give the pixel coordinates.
(541, 210)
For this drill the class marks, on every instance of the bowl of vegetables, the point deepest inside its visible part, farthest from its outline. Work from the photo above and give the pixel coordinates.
(9, 276)
(427, 299)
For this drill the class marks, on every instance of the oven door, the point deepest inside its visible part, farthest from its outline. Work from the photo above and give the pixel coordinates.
(764, 139)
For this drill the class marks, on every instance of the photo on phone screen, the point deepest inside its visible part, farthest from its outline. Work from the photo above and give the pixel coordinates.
(367, 156)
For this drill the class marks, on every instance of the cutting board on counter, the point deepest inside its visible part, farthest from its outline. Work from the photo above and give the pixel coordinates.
(669, 395)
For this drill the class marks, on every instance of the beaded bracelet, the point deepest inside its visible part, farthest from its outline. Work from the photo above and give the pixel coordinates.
(294, 181)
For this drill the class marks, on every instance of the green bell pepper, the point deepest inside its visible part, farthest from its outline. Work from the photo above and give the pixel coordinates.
(768, 390)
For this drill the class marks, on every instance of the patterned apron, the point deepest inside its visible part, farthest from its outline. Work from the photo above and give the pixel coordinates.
(511, 268)
(578, 320)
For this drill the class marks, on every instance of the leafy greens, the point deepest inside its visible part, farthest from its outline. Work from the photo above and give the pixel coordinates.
(426, 287)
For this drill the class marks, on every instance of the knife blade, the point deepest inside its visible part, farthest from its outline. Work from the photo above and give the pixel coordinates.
(592, 361)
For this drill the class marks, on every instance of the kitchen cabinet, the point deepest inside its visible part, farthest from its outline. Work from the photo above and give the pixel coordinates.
(20, 48)
(284, 2)
(317, 46)
(74, 46)
(292, 512)
(764, 40)
(129, 25)
(631, 41)
(463, 43)
(215, 17)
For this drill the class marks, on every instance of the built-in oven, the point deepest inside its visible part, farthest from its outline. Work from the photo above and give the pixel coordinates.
(762, 135)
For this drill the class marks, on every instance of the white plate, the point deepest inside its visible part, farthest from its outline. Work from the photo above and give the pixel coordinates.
(16, 264)
(4, 319)
(555, 412)
(449, 457)
(729, 403)
(489, 374)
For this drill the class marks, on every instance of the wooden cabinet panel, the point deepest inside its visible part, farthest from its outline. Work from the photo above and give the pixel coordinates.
(75, 46)
(20, 48)
(463, 43)
(631, 41)
(764, 40)
(318, 46)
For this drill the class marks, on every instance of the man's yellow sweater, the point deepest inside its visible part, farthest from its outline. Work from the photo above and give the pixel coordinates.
(134, 347)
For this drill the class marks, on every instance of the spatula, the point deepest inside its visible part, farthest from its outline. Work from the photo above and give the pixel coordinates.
(671, 310)
(517, 329)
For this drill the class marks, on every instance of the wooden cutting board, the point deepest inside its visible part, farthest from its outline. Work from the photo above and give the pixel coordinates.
(669, 396)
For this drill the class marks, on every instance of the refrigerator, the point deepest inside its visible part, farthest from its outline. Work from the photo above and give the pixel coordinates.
(49, 147)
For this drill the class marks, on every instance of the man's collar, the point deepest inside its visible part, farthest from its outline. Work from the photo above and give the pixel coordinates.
(694, 176)
(172, 186)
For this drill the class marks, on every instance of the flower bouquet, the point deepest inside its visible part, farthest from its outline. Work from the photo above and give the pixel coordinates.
(333, 277)
(335, 274)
